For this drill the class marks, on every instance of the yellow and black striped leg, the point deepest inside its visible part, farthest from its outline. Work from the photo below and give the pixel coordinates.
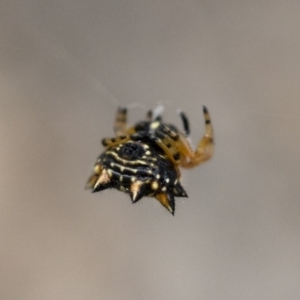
(120, 121)
(166, 139)
(205, 147)
(110, 142)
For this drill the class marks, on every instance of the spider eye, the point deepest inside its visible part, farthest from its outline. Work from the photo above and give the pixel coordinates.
(131, 151)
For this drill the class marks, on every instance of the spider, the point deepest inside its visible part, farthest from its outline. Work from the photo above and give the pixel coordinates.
(144, 160)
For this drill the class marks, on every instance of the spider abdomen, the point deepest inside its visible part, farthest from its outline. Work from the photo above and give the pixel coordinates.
(138, 169)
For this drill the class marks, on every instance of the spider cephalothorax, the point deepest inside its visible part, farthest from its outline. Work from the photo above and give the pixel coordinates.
(144, 160)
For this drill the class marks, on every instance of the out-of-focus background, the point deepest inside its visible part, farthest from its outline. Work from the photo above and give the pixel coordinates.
(65, 67)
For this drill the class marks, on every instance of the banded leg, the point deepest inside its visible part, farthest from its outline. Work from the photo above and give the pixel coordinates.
(185, 122)
(166, 139)
(110, 142)
(120, 121)
(204, 149)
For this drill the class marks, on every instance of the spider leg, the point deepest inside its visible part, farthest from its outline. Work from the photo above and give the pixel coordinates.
(204, 149)
(149, 115)
(155, 114)
(185, 121)
(110, 142)
(120, 121)
(166, 139)
(120, 128)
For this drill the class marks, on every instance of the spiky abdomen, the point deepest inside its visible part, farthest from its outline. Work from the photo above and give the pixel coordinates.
(137, 168)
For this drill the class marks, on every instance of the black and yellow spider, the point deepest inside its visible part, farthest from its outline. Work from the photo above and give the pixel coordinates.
(144, 160)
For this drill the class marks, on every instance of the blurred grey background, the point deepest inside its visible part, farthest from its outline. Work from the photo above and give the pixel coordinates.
(65, 67)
